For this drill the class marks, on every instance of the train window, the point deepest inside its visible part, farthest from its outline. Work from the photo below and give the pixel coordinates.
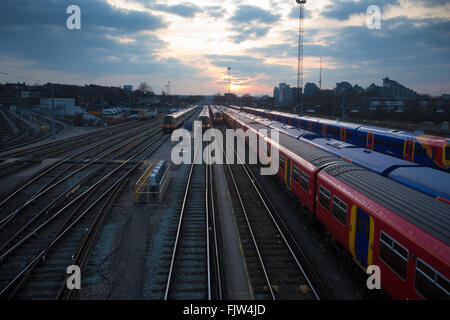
(348, 134)
(392, 145)
(304, 181)
(339, 210)
(394, 255)
(447, 153)
(386, 142)
(418, 151)
(268, 150)
(400, 146)
(429, 283)
(433, 154)
(295, 173)
(282, 160)
(377, 140)
(324, 197)
(168, 120)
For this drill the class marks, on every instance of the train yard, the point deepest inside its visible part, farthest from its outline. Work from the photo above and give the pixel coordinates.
(18, 132)
(76, 208)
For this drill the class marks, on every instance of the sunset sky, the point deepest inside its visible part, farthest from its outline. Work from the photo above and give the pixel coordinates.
(191, 43)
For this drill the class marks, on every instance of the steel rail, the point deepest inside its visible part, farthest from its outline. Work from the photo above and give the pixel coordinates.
(60, 162)
(270, 212)
(177, 237)
(59, 235)
(215, 249)
(32, 233)
(47, 188)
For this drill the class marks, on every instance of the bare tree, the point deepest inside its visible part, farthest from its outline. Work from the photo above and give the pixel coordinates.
(144, 87)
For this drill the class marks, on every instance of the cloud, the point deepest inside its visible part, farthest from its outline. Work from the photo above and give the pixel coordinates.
(111, 40)
(246, 69)
(295, 13)
(251, 32)
(95, 14)
(215, 11)
(251, 23)
(343, 9)
(247, 13)
(408, 50)
(186, 10)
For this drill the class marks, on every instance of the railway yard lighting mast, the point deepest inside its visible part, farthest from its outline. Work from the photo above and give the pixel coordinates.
(229, 85)
(300, 57)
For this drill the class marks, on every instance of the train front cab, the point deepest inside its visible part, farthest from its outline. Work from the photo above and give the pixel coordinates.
(168, 123)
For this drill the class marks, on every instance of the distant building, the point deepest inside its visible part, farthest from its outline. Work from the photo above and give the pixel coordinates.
(128, 87)
(284, 94)
(342, 87)
(63, 106)
(275, 94)
(358, 88)
(31, 94)
(397, 90)
(311, 89)
(230, 98)
(377, 91)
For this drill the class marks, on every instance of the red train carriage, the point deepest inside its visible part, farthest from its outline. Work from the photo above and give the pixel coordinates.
(383, 223)
(378, 221)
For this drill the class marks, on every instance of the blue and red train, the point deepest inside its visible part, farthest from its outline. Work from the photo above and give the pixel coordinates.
(428, 150)
(376, 221)
(435, 183)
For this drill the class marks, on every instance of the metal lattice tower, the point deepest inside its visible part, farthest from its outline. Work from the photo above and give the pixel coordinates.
(300, 56)
(229, 79)
(320, 77)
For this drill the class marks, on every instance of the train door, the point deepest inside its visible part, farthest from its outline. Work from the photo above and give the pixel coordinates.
(342, 134)
(324, 129)
(362, 237)
(409, 150)
(309, 125)
(370, 138)
(288, 172)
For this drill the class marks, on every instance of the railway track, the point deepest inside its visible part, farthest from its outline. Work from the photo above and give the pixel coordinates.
(43, 196)
(68, 166)
(27, 133)
(194, 268)
(13, 129)
(275, 262)
(26, 158)
(34, 259)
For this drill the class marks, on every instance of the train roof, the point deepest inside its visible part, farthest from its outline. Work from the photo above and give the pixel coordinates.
(204, 112)
(369, 159)
(337, 123)
(432, 181)
(313, 155)
(179, 112)
(288, 129)
(429, 214)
